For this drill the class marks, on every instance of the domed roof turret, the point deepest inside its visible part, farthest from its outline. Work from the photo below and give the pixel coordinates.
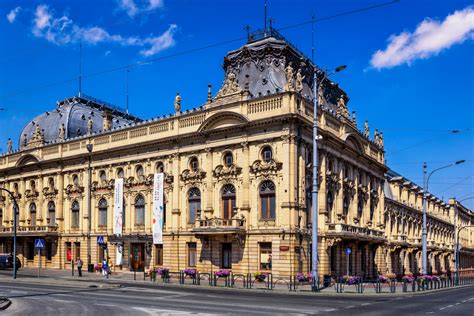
(73, 117)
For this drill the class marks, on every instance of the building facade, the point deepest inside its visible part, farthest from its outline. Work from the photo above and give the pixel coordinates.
(237, 182)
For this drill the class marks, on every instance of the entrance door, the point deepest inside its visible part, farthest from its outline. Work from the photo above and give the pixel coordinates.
(138, 257)
(226, 256)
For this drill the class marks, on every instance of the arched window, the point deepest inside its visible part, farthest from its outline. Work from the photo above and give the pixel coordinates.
(52, 213)
(120, 173)
(75, 214)
(33, 185)
(140, 210)
(103, 213)
(33, 214)
(194, 164)
(360, 206)
(267, 200)
(194, 201)
(228, 201)
(160, 167)
(228, 159)
(103, 177)
(140, 173)
(329, 203)
(267, 153)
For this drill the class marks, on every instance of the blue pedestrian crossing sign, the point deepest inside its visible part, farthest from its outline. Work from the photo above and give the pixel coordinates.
(100, 240)
(39, 243)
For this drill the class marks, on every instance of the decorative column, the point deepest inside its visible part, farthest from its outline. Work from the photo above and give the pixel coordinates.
(41, 209)
(245, 163)
(209, 190)
(22, 188)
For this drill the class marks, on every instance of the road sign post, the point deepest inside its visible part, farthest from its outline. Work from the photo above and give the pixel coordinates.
(348, 253)
(39, 244)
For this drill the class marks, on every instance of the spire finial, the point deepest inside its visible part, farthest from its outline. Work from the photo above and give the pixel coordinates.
(80, 69)
(265, 22)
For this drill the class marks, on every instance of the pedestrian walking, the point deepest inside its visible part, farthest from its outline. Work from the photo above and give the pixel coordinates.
(79, 266)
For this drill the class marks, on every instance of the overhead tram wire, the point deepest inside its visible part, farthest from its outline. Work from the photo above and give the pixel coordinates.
(190, 51)
(455, 184)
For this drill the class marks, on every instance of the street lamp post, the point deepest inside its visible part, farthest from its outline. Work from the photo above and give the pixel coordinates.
(89, 206)
(314, 190)
(425, 193)
(15, 212)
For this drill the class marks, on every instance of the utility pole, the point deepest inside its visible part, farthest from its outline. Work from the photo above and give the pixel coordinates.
(424, 259)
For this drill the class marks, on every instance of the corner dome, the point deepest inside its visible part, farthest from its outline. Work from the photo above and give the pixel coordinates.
(74, 114)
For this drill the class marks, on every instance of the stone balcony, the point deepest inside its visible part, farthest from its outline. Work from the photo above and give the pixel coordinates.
(32, 230)
(355, 232)
(217, 226)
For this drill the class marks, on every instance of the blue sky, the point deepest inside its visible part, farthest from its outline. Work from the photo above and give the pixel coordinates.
(418, 87)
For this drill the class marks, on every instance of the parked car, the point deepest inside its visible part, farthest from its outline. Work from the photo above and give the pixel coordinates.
(6, 262)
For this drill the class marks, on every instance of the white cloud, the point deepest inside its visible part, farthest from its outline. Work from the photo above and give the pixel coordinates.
(62, 31)
(132, 8)
(11, 16)
(161, 42)
(429, 38)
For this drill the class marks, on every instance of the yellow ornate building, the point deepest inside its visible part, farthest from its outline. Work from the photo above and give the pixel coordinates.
(237, 182)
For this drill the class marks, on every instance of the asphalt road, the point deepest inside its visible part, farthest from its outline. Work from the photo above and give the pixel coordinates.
(29, 298)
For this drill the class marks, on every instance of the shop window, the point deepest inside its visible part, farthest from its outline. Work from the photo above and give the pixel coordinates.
(52, 213)
(140, 210)
(267, 200)
(265, 256)
(194, 201)
(192, 254)
(75, 214)
(77, 253)
(333, 258)
(68, 249)
(226, 255)
(228, 198)
(30, 250)
(49, 250)
(158, 255)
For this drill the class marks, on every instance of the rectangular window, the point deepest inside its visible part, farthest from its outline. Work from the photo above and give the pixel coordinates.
(103, 217)
(158, 255)
(140, 216)
(30, 255)
(194, 207)
(75, 219)
(68, 252)
(265, 256)
(226, 256)
(49, 251)
(192, 254)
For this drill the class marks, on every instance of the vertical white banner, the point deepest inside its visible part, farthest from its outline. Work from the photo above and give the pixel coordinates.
(118, 207)
(158, 209)
(119, 254)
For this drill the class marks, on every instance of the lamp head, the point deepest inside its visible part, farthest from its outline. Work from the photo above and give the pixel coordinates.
(459, 162)
(340, 68)
(89, 147)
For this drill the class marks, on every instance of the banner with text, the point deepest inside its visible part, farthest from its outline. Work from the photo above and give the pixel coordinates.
(158, 209)
(118, 207)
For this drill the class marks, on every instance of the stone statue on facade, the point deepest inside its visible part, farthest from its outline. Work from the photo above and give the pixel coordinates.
(366, 129)
(89, 126)
(376, 136)
(354, 118)
(299, 81)
(229, 86)
(177, 103)
(62, 132)
(9, 145)
(381, 140)
(290, 78)
(342, 108)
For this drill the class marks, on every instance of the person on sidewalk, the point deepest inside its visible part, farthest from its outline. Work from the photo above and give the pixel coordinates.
(79, 266)
(105, 268)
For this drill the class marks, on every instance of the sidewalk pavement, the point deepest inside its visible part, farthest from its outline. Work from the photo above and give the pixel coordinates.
(126, 278)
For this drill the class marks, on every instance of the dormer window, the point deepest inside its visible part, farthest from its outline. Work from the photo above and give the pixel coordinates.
(228, 159)
(267, 154)
(194, 164)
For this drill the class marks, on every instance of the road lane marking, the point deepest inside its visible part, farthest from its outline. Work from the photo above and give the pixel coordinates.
(450, 305)
(350, 306)
(365, 304)
(331, 310)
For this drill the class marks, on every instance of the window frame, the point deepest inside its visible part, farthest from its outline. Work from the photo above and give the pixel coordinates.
(228, 201)
(265, 151)
(267, 199)
(140, 198)
(75, 214)
(52, 211)
(194, 204)
(103, 212)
